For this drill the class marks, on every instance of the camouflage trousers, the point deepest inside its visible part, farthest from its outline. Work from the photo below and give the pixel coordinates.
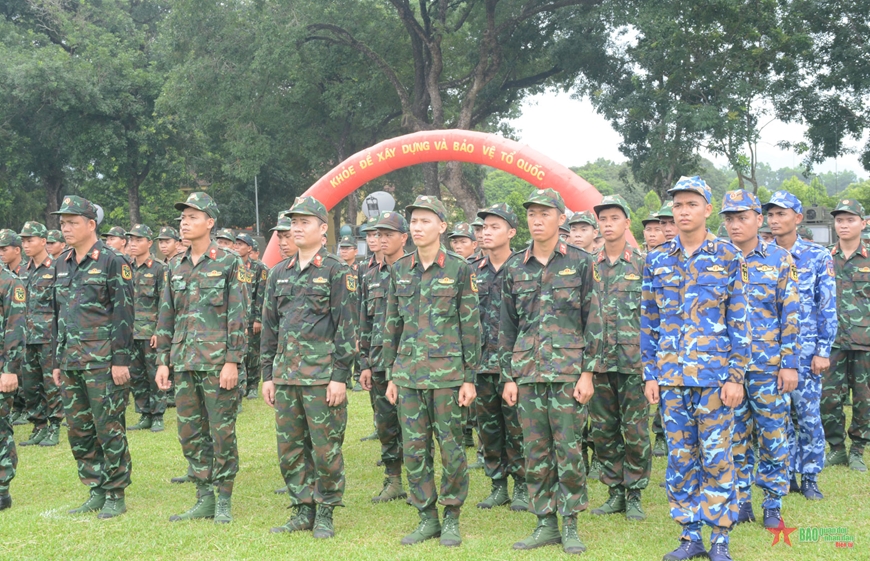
(620, 429)
(806, 437)
(700, 472)
(8, 453)
(149, 399)
(18, 401)
(95, 412)
(764, 413)
(41, 396)
(850, 370)
(553, 424)
(657, 428)
(207, 427)
(425, 415)
(252, 361)
(500, 430)
(387, 425)
(310, 436)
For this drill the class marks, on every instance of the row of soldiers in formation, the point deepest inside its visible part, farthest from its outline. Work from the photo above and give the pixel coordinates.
(529, 338)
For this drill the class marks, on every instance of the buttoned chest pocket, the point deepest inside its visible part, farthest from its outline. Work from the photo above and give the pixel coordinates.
(444, 299)
(375, 301)
(39, 295)
(712, 290)
(862, 284)
(317, 299)
(213, 291)
(568, 292)
(628, 293)
(61, 288)
(667, 292)
(147, 288)
(526, 295)
(762, 289)
(405, 295)
(94, 288)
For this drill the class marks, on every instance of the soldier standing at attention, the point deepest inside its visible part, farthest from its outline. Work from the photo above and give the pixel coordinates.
(695, 346)
(618, 409)
(257, 274)
(818, 326)
(392, 230)
(462, 240)
(116, 239)
(547, 299)
(201, 332)
(148, 281)
(373, 243)
(54, 243)
(168, 242)
(347, 252)
(499, 428)
(226, 239)
(309, 346)
(851, 352)
(12, 325)
(431, 351)
(477, 226)
(94, 314)
(653, 235)
(666, 216)
(771, 295)
(583, 228)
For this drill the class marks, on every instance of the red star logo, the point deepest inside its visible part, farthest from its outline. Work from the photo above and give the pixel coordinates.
(781, 530)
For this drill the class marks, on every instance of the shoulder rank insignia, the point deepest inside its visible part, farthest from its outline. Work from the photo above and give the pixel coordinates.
(349, 282)
(19, 295)
(716, 269)
(95, 254)
(96, 271)
(441, 258)
(318, 259)
(166, 275)
(473, 279)
(212, 253)
(744, 271)
(126, 273)
(595, 273)
(319, 280)
(632, 277)
(566, 271)
(446, 280)
(218, 273)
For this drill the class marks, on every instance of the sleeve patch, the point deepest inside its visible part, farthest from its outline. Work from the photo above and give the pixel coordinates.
(830, 269)
(473, 279)
(264, 274)
(19, 294)
(595, 274)
(240, 274)
(350, 282)
(126, 273)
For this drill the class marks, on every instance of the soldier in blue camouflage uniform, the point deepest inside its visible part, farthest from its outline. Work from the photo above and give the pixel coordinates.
(257, 274)
(817, 293)
(431, 351)
(309, 344)
(548, 298)
(669, 231)
(148, 275)
(12, 326)
(850, 357)
(94, 315)
(771, 294)
(695, 346)
(201, 332)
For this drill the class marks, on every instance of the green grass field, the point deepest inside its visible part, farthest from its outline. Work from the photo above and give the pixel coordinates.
(37, 527)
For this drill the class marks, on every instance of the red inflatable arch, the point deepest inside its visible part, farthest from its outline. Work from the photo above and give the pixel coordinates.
(447, 145)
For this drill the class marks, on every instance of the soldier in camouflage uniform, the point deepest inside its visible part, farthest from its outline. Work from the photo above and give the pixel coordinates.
(309, 345)
(12, 326)
(765, 233)
(94, 315)
(226, 239)
(499, 428)
(547, 300)
(850, 357)
(431, 351)
(347, 252)
(583, 228)
(618, 409)
(666, 216)
(55, 243)
(818, 326)
(201, 332)
(477, 226)
(373, 242)
(257, 274)
(148, 281)
(41, 395)
(115, 238)
(669, 230)
(462, 241)
(695, 346)
(392, 230)
(169, 242)
(10, 257)
(771, 295)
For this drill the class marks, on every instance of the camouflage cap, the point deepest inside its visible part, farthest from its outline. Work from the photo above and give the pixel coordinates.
(245, 238)
(141, 231)
(369, 224)
(200, 201)
(478, 221)
(652, 217)
(613, 201)
(256, 246)
(8, 237)
(462, 230)
(347, 241)
(692, 184)
(584, 217)
(501, 210)
(784, 199)
(805, 232)
(564, 228)
(426, 202)
(168, 233)
(667, 210)
(55, 236)
(392, 221)
(850, 206)
(225, 234)
(283, 224)
(765, 227)
(308, 206)
(116, 231)
(73, 204)
(34, 230)
(546, 197)
(740, 200)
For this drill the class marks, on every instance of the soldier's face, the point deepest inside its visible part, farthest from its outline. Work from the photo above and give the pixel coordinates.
(478, 231)
(10, 254)
(55, 248)
(285, 243)
(742, 226)
(308, 231)
(848, 226)
(392, 243)
(32, 245)
(691, 211)
(463, 246)
(426, 227)
(582, 235)
(669, 228)
(544, 222)
(167, 247)
(767, 236)
(653, 234)
(347, 254)
(496, 232)
(242, 249)
(373, 241)
(224, 243)
(138, 246)
(77, 229)
(195, 224)
(613, 224)
(116, 242)
(783, 221)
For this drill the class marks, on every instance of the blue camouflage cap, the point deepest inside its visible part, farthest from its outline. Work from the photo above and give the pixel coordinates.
(246, 238)
(502, 210)
(784, 199)
(692, 184)
(740, 200)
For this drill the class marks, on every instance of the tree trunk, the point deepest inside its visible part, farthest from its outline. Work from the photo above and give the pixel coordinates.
(133, 201)
(53, 182)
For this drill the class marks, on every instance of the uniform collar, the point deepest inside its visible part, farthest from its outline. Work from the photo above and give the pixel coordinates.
(147, 263)
(708, 245)
(317, 260)
(761, 249)
(862, 249)
(440, 259)
(625, 256)
(93, 253)
(34, 265)
(561, 248)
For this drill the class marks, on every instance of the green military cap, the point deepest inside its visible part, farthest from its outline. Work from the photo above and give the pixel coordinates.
(805, 232)
(34, 230)
(765, 227)
(200, 201)
(850, 206)
(429, 203)
(225, 234)
(546, 197)
(114, 231)
(55, 236)
(584, 217)
(283, 224)
(368, 225)
(73, 204)
(564, 228)
(8, 237)
(141, 231)
(613, 201)
(462, 230)
(501, 210)
(308, 206)
(256, 246)
(652, 217)
(478, 221)
(347, 241)
(168, 233)
(692, 184)
(392, 221)
(667, 210)
(245, 238)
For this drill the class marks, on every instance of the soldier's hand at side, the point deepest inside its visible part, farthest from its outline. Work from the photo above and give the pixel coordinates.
(55, 375)
(121, 375)
(162, 378)
(732, 394)
(153, 342)
(365, 379)
(651, 391)
(229, 375)
(269, 393)
(509, 393)
(467, 393)
(8, 382)
(336, 393)
(788, 380)
(392, 394)
(257, 327)
(820, 365)
(583, 389)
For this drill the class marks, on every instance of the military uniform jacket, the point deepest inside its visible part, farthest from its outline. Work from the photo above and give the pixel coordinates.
(13, 304)
(853, 299)
(374, 286)
(544, 316)
(148, 281)
(818, 298)
(774, 309)
(258, 274)
(309, 332)
(693, 325)
(38, 279)
(202, 320)
(432, 331)
(94, 309)
(490, 285)
(618, 285)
